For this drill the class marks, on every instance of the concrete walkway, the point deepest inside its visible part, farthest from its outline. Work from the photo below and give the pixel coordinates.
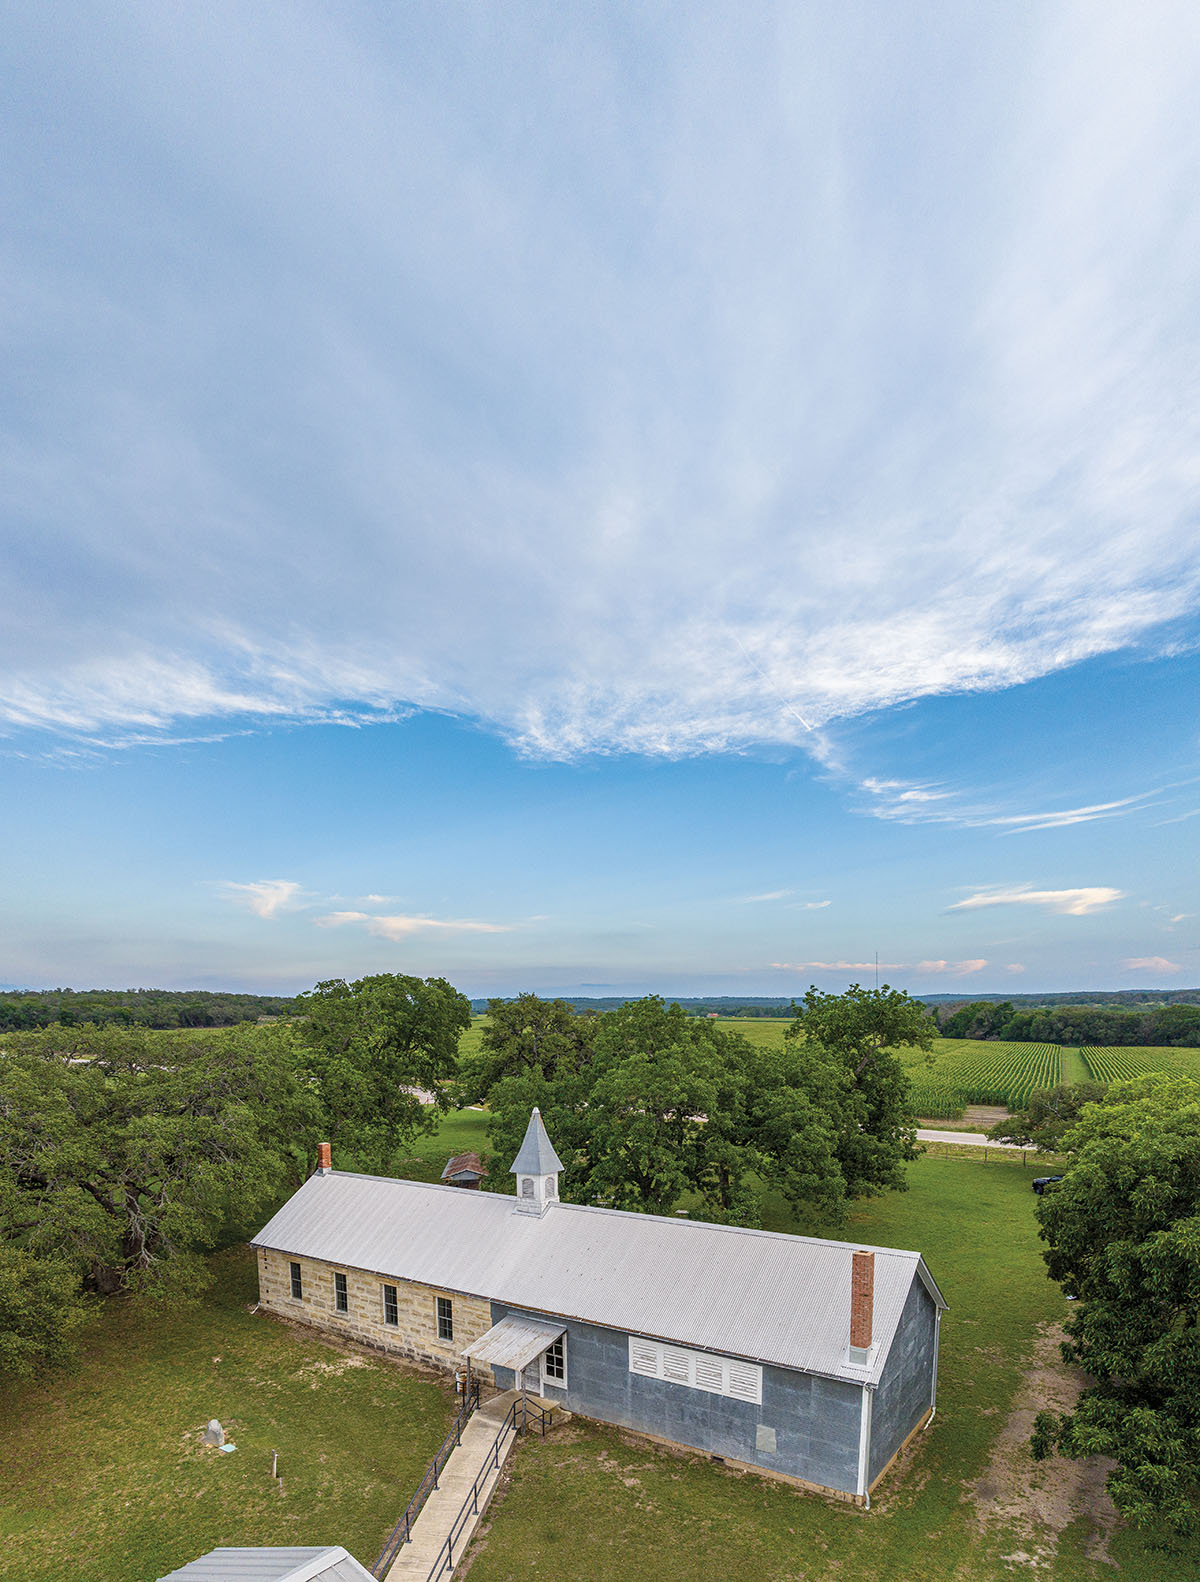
(967, 1139)
(441, 1509)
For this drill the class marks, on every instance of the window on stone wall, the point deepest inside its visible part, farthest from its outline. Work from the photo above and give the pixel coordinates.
(341, 1297)
(445, 1318)
(391, 1308)
(297, 1284)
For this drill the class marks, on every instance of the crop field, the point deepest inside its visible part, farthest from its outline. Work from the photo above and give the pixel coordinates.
(966, 1071)
(1117, 1065)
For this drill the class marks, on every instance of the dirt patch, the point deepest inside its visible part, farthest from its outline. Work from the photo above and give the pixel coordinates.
(986, 1114)
(1037, 1500)
(316, 1370)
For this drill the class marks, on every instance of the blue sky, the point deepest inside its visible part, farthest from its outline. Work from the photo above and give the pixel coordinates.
(618, 496)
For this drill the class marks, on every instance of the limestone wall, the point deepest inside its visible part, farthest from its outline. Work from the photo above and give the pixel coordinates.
(415, 1335)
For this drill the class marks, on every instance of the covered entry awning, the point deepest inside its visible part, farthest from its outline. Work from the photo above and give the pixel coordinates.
(513, 1343)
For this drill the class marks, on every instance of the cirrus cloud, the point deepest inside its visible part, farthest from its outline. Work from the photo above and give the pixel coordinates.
(264, 897)
(400, 927)
(1069, 903)
(816, 459)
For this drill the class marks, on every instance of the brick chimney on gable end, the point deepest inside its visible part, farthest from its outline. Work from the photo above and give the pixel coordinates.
(862, 1304)
(324, 1159)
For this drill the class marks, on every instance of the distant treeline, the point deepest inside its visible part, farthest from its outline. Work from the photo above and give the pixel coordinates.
(1099, 1025)
(25, 1010)
(723, 1005)
(1123, 997)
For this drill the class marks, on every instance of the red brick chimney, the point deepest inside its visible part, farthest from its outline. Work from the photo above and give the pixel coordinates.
(862, 1300)
(325, 1161)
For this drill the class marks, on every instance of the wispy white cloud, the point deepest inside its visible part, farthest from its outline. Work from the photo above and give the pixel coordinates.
(1014, 966)
(954, 969)
(767, 895)
(1070, 903)
(816, 459)
(808, 906)
(909, 802)
(1151, 964)
(264, 897)
(839, 966)
(399, 927)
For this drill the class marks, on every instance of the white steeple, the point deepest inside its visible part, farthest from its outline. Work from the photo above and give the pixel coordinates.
(536, 1168)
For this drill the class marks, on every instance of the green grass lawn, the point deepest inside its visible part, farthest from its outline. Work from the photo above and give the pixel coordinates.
(102, 1478)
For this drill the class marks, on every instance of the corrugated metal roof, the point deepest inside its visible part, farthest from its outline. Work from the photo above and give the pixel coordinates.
(536, 1156)
(327, 1563)
(513, 1343)
(749, 1293)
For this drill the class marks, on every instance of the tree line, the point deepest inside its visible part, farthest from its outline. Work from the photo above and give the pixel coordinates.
(127, 1155)
(649, 1107)
(27, 1009)
(1101, 1026)
(1122, 1233)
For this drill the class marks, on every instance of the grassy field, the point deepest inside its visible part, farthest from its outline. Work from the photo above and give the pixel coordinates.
(102, 1476)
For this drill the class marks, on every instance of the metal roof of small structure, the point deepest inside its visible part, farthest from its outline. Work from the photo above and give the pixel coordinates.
(327, 1563)
(536, 1156)
(756, 1294)
(464, 1164)
(513, 1343)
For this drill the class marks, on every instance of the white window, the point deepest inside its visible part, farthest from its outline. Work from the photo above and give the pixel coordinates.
(699, 1370)
(554, 1364)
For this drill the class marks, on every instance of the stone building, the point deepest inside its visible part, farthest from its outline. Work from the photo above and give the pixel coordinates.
(809, 1359)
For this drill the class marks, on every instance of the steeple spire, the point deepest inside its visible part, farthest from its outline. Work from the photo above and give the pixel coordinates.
(536, 1168)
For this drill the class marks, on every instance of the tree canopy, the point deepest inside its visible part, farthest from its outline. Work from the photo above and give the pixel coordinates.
(523, 1035)
(372, 1048)
(859, 1033)
(649, 1107)
(1084, 1024)
(1123, 1236)
(119, 1168)
(1048, 1115)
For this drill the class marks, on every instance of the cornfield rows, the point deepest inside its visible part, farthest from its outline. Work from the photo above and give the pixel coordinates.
(1119, 1065)
(1004, 1074)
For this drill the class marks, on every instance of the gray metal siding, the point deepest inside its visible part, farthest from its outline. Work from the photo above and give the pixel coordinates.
(906, 1387)
(816, 1420)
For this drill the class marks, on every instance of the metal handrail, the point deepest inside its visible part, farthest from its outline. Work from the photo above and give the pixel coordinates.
(401, 1534)
(491, 1463)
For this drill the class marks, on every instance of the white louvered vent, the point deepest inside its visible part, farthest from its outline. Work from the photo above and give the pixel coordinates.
(644, 1357)
(699, 1370)
(677, 1365)
(745, 1381)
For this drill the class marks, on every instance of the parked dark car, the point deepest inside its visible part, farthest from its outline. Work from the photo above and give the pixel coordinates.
(1040, 1183)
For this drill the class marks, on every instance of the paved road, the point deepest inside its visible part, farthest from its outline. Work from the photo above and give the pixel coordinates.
(974, 1139)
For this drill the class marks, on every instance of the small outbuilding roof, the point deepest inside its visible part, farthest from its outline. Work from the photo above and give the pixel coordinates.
(755, 1294)
(464, 1165)
(513, 1343)
(327, 1563)
(536, 1156)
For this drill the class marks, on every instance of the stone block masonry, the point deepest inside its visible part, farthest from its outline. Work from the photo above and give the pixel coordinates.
(415, 1333)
